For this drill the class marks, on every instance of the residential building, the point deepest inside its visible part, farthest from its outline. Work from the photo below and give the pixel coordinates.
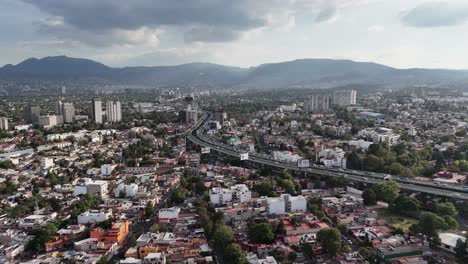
(117, 233)
(169, 213)
(97, 111)
(46, 163)
(344, 97)
(93, 216)
(114, 111)
(448, 241)
(32, 113)
(87, 185)
(238, 193)
(49, 121)
(286, 204)
(380, 135)
(317, 103)
(332, 157)
(155, 258)
(68, 112)
(129, 190)
(4, 123)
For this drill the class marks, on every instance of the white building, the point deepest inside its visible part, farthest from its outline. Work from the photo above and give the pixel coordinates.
(332, 157)
(360, 144)
(4, 123)
(286, 204)
(169, 213)
(49, 121)
(344, 97)
(87, 185)
(317, 103)
(238, 193)
(93, 216)
(47, 163)
(380, 135)
(107, 169)
(97, 111)
(114, 111)
(220, 196)
(129, 189)
(68, 112)
(448, 241)
(276, 205)
(287, 156)
(155, 258)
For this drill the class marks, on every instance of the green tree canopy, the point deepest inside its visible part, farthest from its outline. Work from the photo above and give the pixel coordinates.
(261, 233)
(330, 239)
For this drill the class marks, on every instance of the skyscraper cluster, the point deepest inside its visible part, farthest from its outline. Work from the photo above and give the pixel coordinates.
(319, 103)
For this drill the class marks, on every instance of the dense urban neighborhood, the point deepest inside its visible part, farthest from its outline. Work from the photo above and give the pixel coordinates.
(262, 177)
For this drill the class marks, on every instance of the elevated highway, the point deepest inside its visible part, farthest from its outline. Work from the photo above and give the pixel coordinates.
(195, 135)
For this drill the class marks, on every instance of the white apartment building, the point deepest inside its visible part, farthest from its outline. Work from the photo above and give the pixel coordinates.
(49, 121)
(97, 111)
(4, 123)
(129, 189)
(220, 196)
(169, 213)
(93, 216)
(87, 185)
(286, 204)
(344, 97)
(47, 163)
(68, 112)
(107, 169)
(380, 135)
(114, 111)
(238, 193)
(333, 157)
(317, 103)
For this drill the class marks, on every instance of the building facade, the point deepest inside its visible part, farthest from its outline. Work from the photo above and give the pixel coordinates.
(97, 111)
(317, 103)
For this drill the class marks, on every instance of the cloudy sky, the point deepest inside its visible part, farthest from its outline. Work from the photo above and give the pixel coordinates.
(399, 33)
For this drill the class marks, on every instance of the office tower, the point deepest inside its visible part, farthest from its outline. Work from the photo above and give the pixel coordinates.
(97, 111)
(58, 109)
(64, 90)
(344, 97)
(114, 111)
(3, 123)
(317, 103)
(32, 113)
(220, 116)
(68, 112)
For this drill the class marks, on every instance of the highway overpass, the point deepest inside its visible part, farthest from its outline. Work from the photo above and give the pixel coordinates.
(195, 135)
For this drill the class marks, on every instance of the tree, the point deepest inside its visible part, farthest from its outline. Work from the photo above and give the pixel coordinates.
(365, 252)
(122, 193)
(233, 254)
(461, 251)
(388, 191)
(149, 210)
(223, 236)
(330, 239)
(261, 233)
(41, 236)
(430, 223)
(404, 204)
(307, 250)
(447, 208)
(451, 222)
(369, 196)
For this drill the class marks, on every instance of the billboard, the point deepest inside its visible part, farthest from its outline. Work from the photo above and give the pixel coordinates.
(244, 156)
(304, 163)
(205, 150)
(232, 140)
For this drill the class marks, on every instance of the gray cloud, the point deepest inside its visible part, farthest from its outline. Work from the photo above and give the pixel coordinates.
(197, 20)
(436, 14)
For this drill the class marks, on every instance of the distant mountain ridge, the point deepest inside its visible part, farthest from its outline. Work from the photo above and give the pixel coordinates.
(302, 72)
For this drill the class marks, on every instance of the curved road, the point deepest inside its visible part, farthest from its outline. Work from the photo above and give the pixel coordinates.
(454, 191)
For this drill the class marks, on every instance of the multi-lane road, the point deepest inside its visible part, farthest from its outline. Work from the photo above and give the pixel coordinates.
(196, 135)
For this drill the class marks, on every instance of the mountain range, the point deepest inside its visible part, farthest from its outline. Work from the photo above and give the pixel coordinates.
(320, 73)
